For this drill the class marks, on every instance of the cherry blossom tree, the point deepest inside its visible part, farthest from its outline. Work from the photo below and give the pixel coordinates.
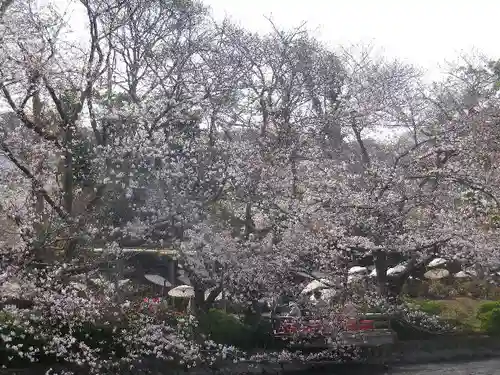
(78, 150)
(255, 156)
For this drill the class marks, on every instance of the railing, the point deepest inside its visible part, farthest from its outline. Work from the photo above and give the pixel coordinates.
(300, 326)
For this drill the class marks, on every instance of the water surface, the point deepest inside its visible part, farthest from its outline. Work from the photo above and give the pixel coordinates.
(490, 367)
(486, 367)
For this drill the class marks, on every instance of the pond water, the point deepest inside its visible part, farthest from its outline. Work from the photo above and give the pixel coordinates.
(489, 367)
(486, 367)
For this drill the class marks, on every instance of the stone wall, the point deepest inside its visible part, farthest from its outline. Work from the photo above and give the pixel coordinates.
(446, 348)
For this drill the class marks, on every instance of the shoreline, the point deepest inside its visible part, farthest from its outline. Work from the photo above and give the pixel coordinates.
(446, 349)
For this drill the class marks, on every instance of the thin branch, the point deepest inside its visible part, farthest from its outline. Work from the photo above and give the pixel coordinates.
(26, 120)
(62, 214)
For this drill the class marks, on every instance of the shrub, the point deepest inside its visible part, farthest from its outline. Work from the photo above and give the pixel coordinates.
(418, 325)
(488, 315)
(27, 341)
(486, 307)
(224, 328)
(490, 322)
(89, 331)
(262, 337)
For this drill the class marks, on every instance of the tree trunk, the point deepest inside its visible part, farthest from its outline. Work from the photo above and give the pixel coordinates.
(253, 315)
(395, 287)
(37, 114)
(381, 268)
(203, 304)
(172, 271)
(68, 170)
(41, 220)
(198, 306)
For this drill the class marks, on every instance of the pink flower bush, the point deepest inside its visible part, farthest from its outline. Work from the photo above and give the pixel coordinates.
(61, 325)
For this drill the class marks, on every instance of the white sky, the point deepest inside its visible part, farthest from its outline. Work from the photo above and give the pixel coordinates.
(423, 32)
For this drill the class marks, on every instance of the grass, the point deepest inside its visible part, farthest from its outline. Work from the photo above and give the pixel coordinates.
(460, 310)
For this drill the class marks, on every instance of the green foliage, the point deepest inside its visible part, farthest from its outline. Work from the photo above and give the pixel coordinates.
(430, 307)
(261, 336)
(224, 328)
(460, 312)
(486, 307)
(489, 317)
(227, 329)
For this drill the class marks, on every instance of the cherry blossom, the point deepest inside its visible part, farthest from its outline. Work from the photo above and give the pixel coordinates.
(256, 157)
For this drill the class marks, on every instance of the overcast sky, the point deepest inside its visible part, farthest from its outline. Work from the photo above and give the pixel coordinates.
(424, 32)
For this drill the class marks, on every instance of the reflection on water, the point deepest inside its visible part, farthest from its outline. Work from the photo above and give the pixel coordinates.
(491, 367)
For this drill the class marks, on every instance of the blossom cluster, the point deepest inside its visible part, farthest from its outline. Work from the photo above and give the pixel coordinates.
(254, 155)
(91, 331)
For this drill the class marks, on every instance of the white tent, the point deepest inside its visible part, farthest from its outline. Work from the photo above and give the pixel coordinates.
(400, 268)
(158, 280)
(391, 271)
(436, 274)
(437, 262)
(182, 291)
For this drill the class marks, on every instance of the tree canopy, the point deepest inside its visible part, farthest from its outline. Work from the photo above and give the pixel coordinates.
(253, 155)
